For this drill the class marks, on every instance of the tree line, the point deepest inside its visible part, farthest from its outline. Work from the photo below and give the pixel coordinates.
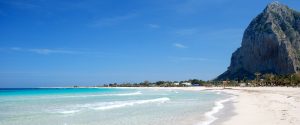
(268, 79)
(146, 83)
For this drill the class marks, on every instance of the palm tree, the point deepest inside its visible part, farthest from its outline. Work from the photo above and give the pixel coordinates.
(268, 79)
(257, 74)
(272, 79)
(292, 80)
(297, 79)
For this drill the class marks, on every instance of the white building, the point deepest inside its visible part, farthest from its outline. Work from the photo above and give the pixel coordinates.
(187, 83)
(243, 84)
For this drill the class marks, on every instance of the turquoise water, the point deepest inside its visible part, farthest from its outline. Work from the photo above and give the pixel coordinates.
(105, 106)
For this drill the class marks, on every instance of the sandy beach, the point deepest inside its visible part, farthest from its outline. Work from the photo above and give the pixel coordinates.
(257, 105)
(265, 106)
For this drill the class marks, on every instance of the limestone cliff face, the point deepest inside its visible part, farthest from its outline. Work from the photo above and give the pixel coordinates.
(271, 44)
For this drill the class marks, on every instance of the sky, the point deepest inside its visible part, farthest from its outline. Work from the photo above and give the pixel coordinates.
(48, 43)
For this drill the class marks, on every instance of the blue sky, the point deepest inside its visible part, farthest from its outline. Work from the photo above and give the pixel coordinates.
(75, 42)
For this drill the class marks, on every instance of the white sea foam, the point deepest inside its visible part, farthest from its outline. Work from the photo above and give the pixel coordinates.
(120, 104)
(210, 118)
(126, 94)
(67, 111)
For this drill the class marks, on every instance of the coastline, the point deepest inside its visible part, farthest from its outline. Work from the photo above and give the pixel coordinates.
(225, 114)
(250, 105)
(215, 113)
(254, 105)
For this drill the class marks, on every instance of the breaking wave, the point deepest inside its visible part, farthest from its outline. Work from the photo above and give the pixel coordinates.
(218, 106)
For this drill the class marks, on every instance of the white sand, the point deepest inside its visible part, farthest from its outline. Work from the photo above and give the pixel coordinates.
(266, 106)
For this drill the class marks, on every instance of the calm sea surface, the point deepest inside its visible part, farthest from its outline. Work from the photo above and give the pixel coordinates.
(106, 106)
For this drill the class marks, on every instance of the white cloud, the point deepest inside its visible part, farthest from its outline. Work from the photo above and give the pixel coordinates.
(178, 45)
(51, 51)
(113, 20)
(43, 51)
(154, 26)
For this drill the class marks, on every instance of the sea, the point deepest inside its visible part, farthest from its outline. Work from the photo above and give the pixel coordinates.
(109, 106)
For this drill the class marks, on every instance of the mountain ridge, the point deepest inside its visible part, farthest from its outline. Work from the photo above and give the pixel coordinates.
(270, 44)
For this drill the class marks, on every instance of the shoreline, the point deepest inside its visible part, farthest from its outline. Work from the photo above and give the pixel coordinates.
(225, 114)
(251, 105)
(214, 114)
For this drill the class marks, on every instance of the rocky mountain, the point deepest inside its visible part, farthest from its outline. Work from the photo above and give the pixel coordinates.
(271, 44)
